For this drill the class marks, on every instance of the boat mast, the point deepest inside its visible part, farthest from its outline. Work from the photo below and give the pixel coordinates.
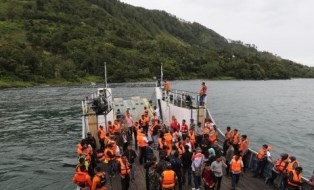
(161, 73)
(105, 65)
(105, 114)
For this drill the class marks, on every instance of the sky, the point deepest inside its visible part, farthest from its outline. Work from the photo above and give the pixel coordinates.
(282, 27)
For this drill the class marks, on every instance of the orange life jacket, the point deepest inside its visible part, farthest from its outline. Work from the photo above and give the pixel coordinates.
(167, 86)
(235, 138)
(261, 153)
(125, 168)
(192, 137)
(102, 133)
(180, 149)
(206, 130)
(296, 178)
(141, 142)
(81, 177)
(96, 181)
(213, 136)
(168, 179)
(236, 166)
(228, 135)
(168, 138)
(290, 166)
(280, 165)
(243, 145)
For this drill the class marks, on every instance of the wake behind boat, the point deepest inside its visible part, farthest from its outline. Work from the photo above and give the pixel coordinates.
(101, 109)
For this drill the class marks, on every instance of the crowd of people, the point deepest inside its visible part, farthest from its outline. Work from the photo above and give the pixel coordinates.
(174, 155)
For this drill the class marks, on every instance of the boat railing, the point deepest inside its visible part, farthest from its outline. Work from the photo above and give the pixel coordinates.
(97, 103)
(183, 98)
(251, 160)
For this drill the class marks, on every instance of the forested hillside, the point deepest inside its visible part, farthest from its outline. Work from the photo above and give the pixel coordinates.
(49, 41)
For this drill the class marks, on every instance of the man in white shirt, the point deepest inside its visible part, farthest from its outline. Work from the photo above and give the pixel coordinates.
(216, 167)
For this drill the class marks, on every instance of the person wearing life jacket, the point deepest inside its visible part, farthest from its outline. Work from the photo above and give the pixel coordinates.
(155, 133)
(87, 153)
(243, 149)
(109, 158)
(82, 179)
(292, 164)
(81, 162)
(168, 138)
(101, 136)
(135, 130)
(180, 148)
(206, 130)
(191, 136)
(143, 123)
(142, 143)
(147, 120)
(99, 180)
(168, 178)
(202, 94)
(236, 168)
(212, 135)
(80, 147)
(236, 140)
(295, 179)
(228, 138)
(161, 143)
(167, 87)
(125, 170)
(279, 167)
(262, 158)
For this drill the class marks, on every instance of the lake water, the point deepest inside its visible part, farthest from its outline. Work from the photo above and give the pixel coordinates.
(40, 127)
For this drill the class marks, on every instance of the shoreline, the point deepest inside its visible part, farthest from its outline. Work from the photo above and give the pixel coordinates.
(4, 84)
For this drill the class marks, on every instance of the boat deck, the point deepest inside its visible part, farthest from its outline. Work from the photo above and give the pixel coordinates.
(247, 182)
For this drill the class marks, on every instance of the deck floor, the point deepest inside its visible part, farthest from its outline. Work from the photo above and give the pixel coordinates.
(247, 182)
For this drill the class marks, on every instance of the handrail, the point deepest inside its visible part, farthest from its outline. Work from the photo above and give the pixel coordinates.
(89, 99)
(183, 98)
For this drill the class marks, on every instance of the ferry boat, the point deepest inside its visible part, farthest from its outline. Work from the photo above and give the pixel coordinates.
(101, 107)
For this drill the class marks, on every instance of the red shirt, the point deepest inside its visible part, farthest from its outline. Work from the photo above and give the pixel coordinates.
(207, 176)
(184, 129)
(175, 126)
